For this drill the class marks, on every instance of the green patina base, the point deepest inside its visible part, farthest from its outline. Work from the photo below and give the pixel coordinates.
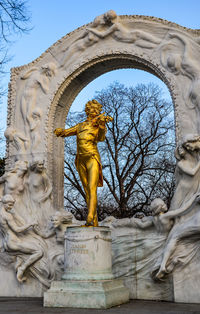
(99, 294)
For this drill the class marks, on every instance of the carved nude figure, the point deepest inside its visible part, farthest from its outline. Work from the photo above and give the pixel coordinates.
(157, 207)
(12, 239)
(121, 33)
(185, 201)
(35, 122)
(18, 140)
(181, 230)
(36, 80)
(187, 171)
(13, 180)
(182, 62)
(40, 189)
(60, 220)
(84, 41)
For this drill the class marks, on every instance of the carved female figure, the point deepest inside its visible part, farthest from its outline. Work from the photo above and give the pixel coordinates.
(13, 180)
(181, 231)
(40, 189)
(36, 80)
(35, 121)
(157, 207)
(13, 183)
(185, 201)
(121, 33)
(12, 241)
(60, 221)
(187, 171)
(182, 63)
(18, 140)
(84, 41)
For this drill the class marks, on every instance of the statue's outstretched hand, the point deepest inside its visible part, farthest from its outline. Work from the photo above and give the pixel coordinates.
(58, 131)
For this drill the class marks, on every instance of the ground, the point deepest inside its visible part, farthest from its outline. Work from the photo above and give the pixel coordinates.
(34, 305)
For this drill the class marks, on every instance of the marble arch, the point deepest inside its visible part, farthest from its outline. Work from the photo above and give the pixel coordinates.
(40, 95)
(42, 91)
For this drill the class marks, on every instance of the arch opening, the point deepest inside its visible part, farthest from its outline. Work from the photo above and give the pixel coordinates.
(70, 89)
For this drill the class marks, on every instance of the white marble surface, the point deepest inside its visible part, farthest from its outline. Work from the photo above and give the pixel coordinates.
(88, 253)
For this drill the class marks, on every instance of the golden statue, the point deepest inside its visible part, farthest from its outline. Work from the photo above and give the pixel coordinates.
(88, 162)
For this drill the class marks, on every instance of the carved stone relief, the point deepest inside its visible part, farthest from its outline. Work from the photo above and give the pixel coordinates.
(40, 95)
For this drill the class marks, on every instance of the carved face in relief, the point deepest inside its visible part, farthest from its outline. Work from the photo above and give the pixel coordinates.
(8, 202)
(55, 220)
(49, 69)
(40, 166)
(110, 16)
(158, 206)
(191, 146)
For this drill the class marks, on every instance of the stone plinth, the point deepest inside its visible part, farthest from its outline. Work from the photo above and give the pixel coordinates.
(88, 254)
(98, 294)
(88, 280)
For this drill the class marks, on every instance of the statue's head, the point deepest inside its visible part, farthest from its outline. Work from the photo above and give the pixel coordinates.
(9, 133)
(61, 217)
(49, 69)
(110, 16)
(38, 165)
(21, 165)
(8, 202)
(158, 206)
(93, 108)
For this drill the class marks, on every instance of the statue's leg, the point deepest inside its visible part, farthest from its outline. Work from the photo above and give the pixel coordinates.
(168, 251)
(93, 179)
(37, 254)
(34, 252)
(83, 176)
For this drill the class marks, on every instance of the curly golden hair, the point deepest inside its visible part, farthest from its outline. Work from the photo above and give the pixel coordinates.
(92, 103)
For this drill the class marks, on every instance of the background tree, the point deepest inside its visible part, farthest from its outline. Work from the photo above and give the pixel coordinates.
(14, 18)
(137, 155)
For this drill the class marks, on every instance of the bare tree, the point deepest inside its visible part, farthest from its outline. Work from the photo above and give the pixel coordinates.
(14, 18)
(137, 155)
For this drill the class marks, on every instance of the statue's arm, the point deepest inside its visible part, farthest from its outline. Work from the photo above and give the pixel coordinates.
(185, 167)
(44, 235)
(28, 73)
(173, 35)
(48, 188)
(176, 212)
(44, 83)
(102, 133)
(104, 34)
(66, 132)
(142, 224)
(14, 227)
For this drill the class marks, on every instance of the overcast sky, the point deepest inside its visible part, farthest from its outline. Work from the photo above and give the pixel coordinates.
(52, 19)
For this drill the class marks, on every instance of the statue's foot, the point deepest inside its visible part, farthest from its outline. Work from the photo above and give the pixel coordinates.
(20, 274)
(89, 224)
(161, 274)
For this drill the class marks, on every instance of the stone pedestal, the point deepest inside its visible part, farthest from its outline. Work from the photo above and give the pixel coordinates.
(88, 280)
